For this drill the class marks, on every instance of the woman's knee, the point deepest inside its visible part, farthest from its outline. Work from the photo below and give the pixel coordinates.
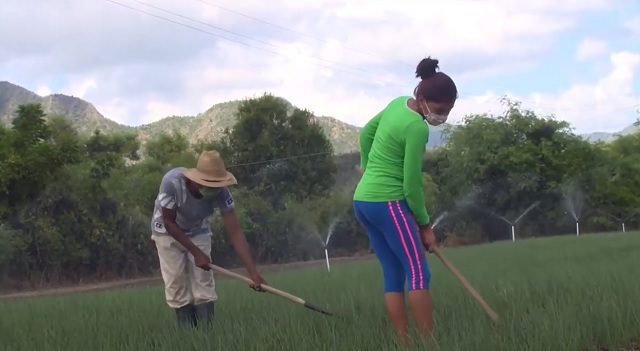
(422, 279)
(394, 277)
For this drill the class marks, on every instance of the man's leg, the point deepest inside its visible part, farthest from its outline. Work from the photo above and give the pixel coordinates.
(203, 286)
(173, 266)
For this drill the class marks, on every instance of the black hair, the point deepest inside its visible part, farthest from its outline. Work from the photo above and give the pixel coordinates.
(434, 85)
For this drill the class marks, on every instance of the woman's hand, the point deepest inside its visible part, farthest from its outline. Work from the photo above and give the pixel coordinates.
(428, 237)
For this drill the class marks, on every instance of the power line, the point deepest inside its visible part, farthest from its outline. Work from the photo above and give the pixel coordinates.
(368, 77)
(296, 32)
(250, 38)
(279, 159)
(327, 152)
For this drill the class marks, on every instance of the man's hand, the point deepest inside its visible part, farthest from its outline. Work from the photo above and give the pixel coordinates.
(201, 260)
(428, 237)
(257, 282)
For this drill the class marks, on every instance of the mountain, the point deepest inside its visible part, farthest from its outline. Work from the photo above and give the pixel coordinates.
(83, 115)
(206, 125)
(598, 136)
(212, 122)
(632, 129)
(601, 136)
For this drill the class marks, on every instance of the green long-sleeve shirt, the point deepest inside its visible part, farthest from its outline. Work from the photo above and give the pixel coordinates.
(392, 145)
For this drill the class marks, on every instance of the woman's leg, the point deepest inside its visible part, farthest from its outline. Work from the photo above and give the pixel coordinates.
(404, 240)
(392, 269)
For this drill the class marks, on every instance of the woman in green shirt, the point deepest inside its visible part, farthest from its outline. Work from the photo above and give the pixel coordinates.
(389, 199)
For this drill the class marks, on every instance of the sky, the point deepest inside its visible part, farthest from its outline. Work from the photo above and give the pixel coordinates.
(576, 59)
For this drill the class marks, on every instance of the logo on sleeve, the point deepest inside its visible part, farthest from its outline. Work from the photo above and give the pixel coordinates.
(159, 227)
(230, 201)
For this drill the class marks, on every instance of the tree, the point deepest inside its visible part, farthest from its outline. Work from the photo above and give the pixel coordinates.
(500, 165)
(615, 191)
(75, 208)
(277, 153)
(166, 147)
(32, 151)
(110, 151)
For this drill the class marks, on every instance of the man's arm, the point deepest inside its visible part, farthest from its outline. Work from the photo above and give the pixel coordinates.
(169, 219)
(367, 134)
(238, 240)
(167, 198)
(416, 137)
(234, 231)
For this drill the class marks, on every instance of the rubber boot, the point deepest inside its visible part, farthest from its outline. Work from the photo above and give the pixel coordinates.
(187, 316)
(205, 312)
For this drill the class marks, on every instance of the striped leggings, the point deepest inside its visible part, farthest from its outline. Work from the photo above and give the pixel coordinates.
(395, 239)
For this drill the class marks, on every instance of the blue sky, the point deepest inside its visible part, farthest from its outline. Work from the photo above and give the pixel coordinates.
(560, 68)
(576, 59)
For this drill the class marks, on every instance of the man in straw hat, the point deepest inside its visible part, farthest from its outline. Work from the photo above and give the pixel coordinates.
(187, 198)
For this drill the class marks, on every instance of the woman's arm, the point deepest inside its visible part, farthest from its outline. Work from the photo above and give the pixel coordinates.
(366, 139)
(416, 138)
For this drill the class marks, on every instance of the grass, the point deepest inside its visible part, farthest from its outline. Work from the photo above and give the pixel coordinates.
(562, 293)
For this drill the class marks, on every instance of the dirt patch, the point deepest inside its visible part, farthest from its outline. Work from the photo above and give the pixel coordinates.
(157, 280)
(633, 345)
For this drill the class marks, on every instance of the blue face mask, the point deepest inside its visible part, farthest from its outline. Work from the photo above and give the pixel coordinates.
(209, 193)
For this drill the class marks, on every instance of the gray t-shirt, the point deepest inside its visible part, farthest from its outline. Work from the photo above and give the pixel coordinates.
(193, 214)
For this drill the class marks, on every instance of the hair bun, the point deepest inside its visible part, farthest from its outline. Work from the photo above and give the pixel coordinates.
(427, 68)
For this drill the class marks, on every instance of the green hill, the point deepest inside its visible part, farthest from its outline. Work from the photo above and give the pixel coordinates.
(206, 125)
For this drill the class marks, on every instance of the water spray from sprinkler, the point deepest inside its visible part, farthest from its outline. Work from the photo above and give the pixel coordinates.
(624, 220)
(574, 201)
(325, 242)
(439, 219)
(514, 223)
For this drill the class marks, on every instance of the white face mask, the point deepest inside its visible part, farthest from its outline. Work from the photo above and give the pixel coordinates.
(432, 118)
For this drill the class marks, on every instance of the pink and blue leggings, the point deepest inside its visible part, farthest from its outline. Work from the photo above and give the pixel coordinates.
(395, 239)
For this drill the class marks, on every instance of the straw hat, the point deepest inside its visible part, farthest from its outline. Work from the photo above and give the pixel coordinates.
(210, 171)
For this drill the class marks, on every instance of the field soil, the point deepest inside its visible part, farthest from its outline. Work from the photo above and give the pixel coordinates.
(634, 345)
(157, 279)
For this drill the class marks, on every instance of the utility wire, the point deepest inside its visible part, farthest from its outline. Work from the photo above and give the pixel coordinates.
(298, 32)
(368, 77)
(279, 159)
(250, 38)
(327, 152)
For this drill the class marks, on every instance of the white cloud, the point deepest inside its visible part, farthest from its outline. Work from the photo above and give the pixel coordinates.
(80, 87)
(159, 108)
(43, 90)
(633, 25)
(598, 105)
(357, 54)
(591, 48)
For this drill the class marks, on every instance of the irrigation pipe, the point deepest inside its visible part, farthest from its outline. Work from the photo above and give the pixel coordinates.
(272, 290)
